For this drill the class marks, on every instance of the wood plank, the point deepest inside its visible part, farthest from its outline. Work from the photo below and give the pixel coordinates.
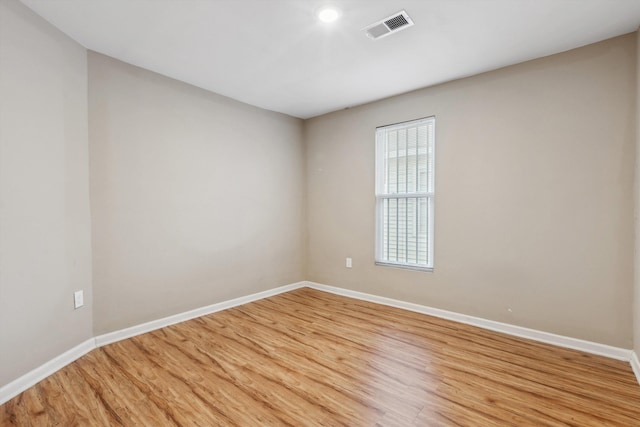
(312, 358)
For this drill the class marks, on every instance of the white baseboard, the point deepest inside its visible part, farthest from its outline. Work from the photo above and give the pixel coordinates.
(30, 379)
(192, 314)
(635, 365)
(21, 384)
(518, 331)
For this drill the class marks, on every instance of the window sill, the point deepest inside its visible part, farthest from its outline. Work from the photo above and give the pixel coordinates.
(404, 266)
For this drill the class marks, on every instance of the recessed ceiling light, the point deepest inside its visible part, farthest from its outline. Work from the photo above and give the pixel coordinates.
(328, 14)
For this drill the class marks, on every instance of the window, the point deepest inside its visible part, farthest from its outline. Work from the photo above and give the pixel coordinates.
(404, 194)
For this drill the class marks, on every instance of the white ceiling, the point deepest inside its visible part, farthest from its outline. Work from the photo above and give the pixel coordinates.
(276, 55)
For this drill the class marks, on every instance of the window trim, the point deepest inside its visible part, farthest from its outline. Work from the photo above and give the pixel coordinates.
(381, 197)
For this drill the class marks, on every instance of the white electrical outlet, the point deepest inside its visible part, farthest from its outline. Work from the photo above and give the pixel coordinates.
(349, 263)
(78, 299)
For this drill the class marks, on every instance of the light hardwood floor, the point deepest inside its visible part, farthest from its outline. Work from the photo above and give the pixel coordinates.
(308, 358)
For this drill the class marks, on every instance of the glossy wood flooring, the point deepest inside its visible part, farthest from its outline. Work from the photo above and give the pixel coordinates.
(308, 358)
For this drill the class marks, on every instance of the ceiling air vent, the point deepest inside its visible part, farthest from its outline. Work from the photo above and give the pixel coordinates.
(389, 25)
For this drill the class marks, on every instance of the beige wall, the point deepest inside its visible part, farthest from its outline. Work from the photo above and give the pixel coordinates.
(45, 246)
(534, 177)
(196, 198)
(636, 319)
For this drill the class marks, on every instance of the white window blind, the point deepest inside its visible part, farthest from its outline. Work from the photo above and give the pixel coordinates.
(405, 193)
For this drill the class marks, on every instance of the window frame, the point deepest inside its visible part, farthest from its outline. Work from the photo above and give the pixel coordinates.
(381, 196)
